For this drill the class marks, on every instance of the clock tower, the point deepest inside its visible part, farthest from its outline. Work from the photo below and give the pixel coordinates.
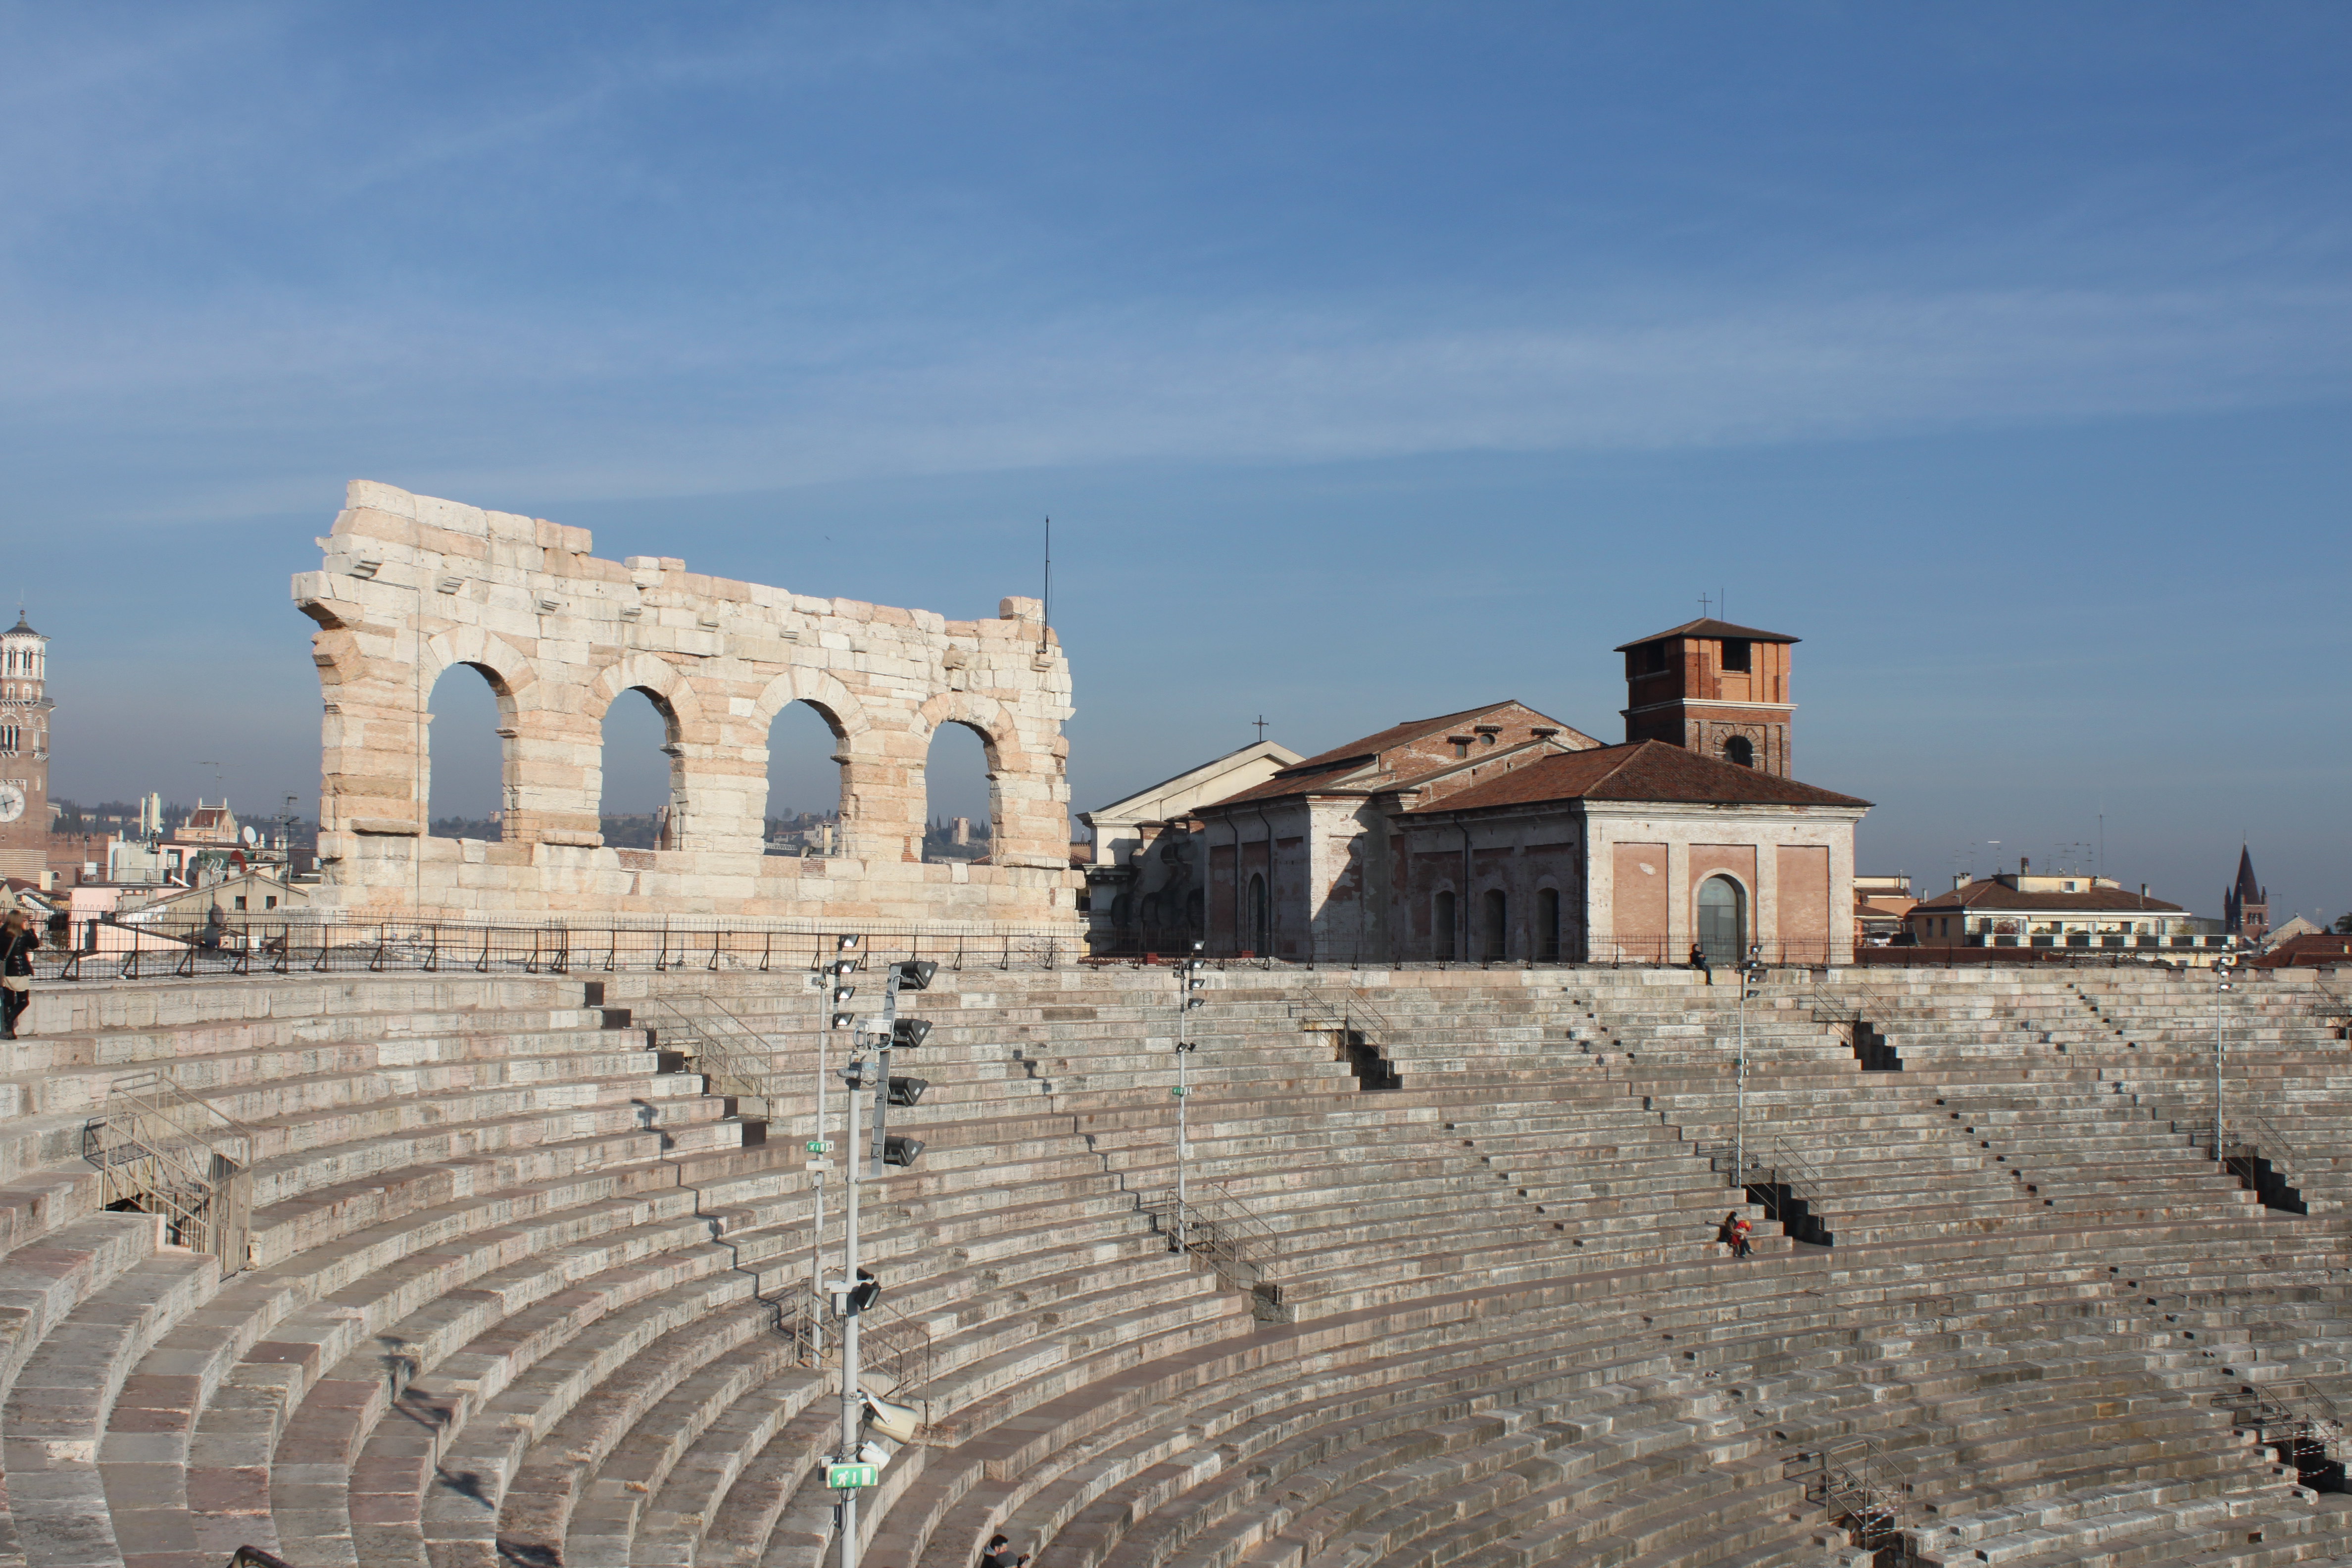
(24, 752)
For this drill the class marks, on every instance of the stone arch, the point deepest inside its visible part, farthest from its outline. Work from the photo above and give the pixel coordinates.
(1000, 740)
(854, 745)
(672, 692)
(689, 741)
(503, 665)
(985, 714)
(839, 707)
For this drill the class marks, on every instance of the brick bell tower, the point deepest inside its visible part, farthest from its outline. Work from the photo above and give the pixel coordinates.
(1714, 689)
(24, 752)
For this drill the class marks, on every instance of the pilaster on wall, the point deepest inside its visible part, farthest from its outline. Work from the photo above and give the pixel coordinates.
(412, 586)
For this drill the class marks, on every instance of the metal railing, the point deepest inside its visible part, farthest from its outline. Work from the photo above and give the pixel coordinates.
(160, 1150)
(1241, 1249)
(1352, 1014)
(1773, 1165)
(1862, 1486)
(128, 948)
(893, 1349)
(736, 1059)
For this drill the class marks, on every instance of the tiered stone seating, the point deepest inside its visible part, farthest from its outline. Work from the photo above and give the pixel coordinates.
(520, 1290)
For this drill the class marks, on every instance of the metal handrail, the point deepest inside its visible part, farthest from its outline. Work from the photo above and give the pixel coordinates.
(896, 1347)
(1862, 1483)
(1221, 1230)
(147, 1156)
(729, 1071)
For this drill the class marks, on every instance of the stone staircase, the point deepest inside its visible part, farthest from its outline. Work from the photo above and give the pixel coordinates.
(520, 1288)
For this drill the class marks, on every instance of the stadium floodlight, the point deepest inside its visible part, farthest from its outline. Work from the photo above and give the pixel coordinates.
(850, 965)
(915, 973)
(898, 1151)
(897, 1421)
(908, 1090)
(905, 1034)
(845, 1020)
(842, 993)
(845, 944)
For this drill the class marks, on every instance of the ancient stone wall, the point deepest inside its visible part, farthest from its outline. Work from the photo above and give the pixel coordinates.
(412, 586)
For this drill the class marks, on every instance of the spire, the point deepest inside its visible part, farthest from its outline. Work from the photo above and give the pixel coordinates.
(2249, 889)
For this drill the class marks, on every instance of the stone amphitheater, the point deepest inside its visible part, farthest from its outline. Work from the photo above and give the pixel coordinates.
(517, 1285)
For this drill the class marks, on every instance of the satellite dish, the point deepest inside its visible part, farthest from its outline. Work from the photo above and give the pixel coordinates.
(249, 834)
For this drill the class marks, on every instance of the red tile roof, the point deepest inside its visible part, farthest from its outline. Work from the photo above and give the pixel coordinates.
(1708, 628)
(1326, 768)
(1645, 770)
(1412, 730)
(1994, 895)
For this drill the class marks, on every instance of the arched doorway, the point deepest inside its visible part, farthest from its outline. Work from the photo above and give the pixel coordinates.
(1498, 929)
(1256, 939)
(1548, 926)
(1441, 926)
(1722, 920)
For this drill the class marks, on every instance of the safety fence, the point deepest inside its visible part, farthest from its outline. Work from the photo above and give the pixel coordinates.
(198, 948)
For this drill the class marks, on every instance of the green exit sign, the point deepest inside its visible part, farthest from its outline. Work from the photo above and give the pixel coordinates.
(847, 1477)
(820, 1145)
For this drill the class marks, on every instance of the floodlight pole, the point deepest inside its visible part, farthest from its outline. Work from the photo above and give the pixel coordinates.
(2222, 968)
(1748, 972)
(1183, 1016)
(853, 1412)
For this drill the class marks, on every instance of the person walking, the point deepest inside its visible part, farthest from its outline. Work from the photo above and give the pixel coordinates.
(18, 942)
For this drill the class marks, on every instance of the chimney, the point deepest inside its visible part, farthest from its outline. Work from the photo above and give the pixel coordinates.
(1960, 880)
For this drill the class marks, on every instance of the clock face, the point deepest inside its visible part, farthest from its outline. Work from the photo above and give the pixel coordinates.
(12, 802)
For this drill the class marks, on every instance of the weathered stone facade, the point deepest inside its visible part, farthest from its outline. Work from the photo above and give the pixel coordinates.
(412, 586)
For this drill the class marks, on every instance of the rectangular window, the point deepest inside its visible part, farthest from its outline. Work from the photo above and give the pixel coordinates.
(1734, 654)
(240, 900)
(270, 901)
(1654, 657)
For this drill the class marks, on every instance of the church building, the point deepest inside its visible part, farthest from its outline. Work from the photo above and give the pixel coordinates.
(1500, 834)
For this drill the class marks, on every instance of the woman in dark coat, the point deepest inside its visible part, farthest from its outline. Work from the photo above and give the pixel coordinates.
(18, 941)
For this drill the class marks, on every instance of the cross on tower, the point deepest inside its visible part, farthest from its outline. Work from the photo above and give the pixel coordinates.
(1703, 603)
(1260, 721)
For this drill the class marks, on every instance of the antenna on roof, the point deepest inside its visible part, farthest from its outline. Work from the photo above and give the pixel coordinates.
(1045, 605)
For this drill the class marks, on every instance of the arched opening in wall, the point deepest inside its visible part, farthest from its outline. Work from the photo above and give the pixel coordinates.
(1257, 925)
(1741, 752)
(957, 790)
(1547, 925)
(640, 773)
(1441, 926)
(1722, 920)
(1195, 914)
(466, 794)
(804, 816)
(1498, 929)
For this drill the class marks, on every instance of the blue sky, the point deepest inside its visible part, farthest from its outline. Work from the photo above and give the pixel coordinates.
(1373, 360)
